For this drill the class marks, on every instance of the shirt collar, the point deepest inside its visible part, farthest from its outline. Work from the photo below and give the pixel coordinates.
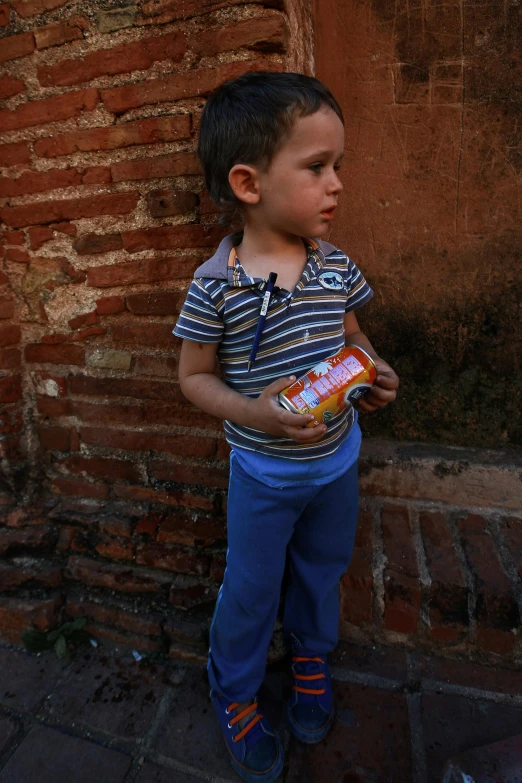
(238, 278)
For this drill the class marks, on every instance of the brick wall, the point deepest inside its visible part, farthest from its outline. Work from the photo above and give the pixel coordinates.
(114, 489)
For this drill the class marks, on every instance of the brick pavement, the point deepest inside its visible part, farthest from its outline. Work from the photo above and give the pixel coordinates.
(104, 716)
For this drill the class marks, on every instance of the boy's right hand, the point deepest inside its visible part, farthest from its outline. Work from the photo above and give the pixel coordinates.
(268, 415)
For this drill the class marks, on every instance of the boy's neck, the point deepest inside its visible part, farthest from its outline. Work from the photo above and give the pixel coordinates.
(262, 251)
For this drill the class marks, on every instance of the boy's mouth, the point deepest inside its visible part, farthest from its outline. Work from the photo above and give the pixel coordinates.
(328, 213)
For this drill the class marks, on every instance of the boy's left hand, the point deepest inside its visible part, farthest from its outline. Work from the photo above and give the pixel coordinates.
(384, 389)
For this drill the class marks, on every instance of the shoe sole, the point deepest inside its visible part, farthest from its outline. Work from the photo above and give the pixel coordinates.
(309, 737)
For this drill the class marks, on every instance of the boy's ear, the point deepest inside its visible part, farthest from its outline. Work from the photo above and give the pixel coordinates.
(243, 180)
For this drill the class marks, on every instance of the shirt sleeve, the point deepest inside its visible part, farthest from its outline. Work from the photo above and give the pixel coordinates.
(359, 292)
(199, 319)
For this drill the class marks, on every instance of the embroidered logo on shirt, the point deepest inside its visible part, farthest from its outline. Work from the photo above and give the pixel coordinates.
(332, 280)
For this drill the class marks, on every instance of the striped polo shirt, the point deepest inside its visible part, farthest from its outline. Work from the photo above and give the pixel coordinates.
(302, 327)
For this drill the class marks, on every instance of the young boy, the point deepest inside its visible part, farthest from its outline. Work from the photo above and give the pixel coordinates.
(270, 146)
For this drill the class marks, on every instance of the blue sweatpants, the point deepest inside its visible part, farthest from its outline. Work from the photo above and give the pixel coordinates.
(316, 527)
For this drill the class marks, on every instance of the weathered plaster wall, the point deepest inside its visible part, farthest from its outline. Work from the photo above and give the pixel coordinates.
(432, 209)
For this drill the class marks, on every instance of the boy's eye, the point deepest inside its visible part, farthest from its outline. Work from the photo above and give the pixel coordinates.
(337, 167)
(316, 167)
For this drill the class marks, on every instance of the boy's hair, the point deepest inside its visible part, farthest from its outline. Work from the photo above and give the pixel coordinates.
(247, 120)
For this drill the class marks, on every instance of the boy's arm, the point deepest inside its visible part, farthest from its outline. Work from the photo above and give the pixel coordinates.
(384, 390)
(204, 389)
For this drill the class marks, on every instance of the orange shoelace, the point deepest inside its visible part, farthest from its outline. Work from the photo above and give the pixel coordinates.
(250, 708)
(308, 677)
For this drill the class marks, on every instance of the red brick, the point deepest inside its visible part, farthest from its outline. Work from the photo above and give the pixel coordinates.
(85, 334)
(177, 165)
(172, 558)
(49, 385)
(513, 535)
(39, 235)
(153, 334)
(17, 255)
(65, 228)
(28, 8)
(10, 335)
(125, 387)
(39, 181)
(10, 358)
(149, 524)
(135, 56)
(171, 237)
(496, 606)
(206, 205)
(217, 568)
(86, 319)
(109, 305)
(16, 46)
(9, 85)
(7, 308)
(53, 407)
(117, 526)
(357, 582)
(116, 577)
(146, 270)
(33, 538)
(91, 244)
(264, 33)
(11, 420)
(402, 602)
(17, 615)
(14, 238)
(10, 389)
(175, 499)
(101, 467)
(148, 131)
(398, 543)
(190, 84)
(152, 303)
(55, 354)
(14, 154)
(81, 488)
(3, 278)
(116, 614)
(29, 574)
(5, 12)
(70, 209)
(55, 438)
(223, 451)
(192, 633)
(96, 175)
(493, 640)
(163, 203)
(190, 474)
(56, 34)
(448, 599)
(112, 549)
(60, 107)
(181, 529)
(186, 445)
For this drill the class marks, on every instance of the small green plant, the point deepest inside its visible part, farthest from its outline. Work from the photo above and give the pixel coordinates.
(59, 638)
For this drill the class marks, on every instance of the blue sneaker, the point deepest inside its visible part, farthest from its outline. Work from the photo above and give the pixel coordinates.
(310, 709)
(255, 750)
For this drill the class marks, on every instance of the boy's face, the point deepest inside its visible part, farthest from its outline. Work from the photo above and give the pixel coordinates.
(299, 190)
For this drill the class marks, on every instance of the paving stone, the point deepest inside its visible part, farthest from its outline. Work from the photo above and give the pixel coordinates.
(153, 774)
(380, 661)
(48, 756)
(453, 724)
(26, 679)
(190, 733)
(469, 675)
(370, 740)
(118, 696)
(8, 729)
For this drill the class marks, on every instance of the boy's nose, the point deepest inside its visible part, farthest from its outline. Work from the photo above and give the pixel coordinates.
(335, 184)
